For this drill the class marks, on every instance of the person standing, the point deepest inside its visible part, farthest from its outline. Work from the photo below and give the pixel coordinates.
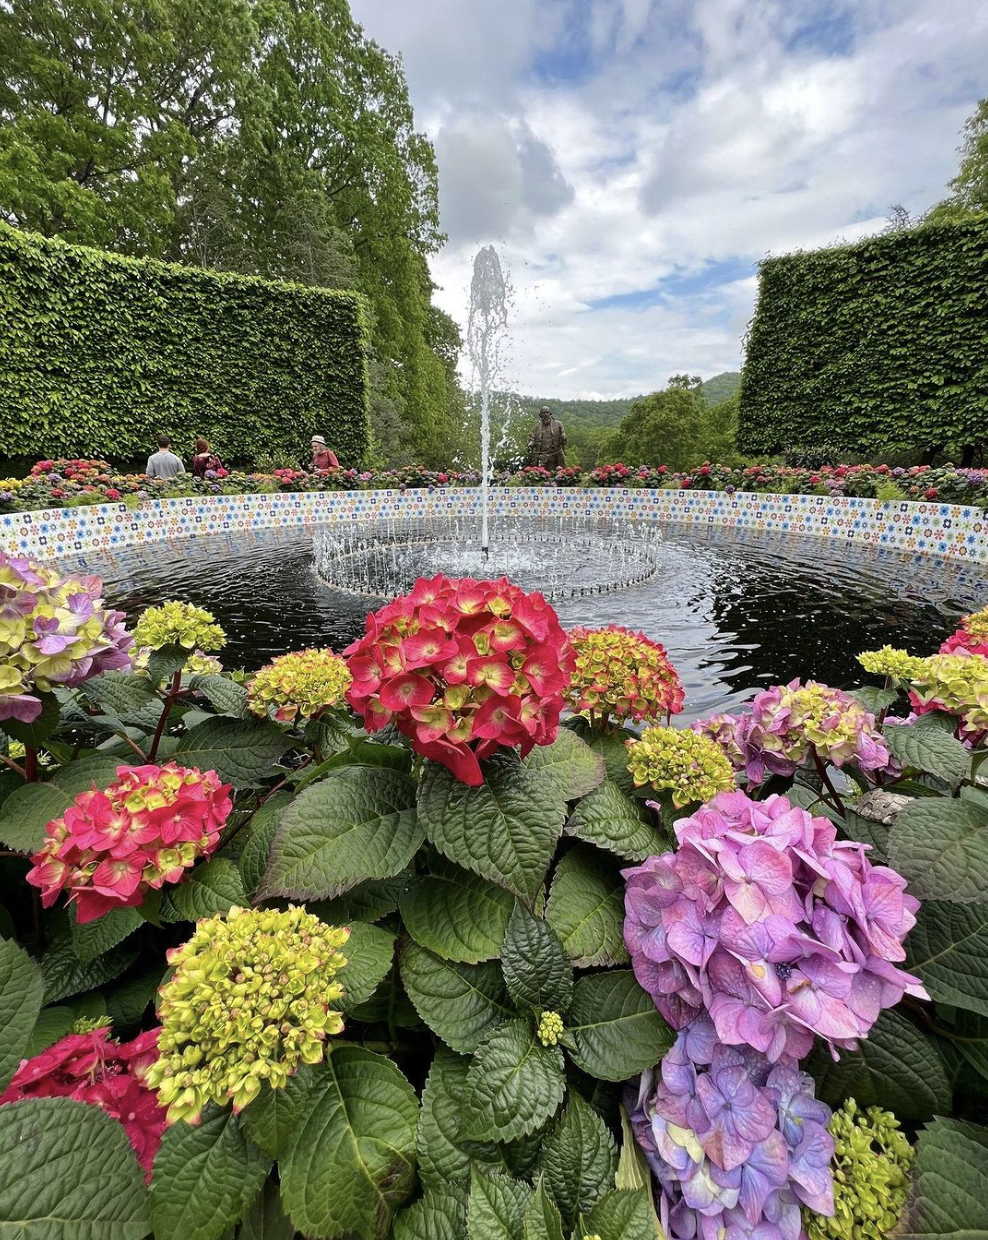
(205, 459)
(323, 459)
(164, 463)
(548, 442)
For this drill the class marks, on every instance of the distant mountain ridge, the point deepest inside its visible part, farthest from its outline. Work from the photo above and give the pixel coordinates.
(591, 414)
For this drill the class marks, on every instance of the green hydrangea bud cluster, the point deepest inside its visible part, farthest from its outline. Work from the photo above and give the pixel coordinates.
(179, 624)
(549, 1028)
(692, 767)
(871, 1164)
(897, 664)
(250, 999)
(86, 1024)
(197, 663)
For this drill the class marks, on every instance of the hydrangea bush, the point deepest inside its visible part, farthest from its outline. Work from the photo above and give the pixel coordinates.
(453, 936)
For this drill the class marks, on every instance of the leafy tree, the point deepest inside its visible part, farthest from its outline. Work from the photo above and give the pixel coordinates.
(666, 428)
(970, 186)
(262, 136)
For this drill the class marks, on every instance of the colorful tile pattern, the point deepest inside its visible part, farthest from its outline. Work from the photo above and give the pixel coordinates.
(927, 528)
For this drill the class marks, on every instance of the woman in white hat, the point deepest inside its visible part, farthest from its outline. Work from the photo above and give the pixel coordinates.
(322, 459)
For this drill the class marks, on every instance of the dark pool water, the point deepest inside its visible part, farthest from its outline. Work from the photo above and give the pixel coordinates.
(736, 611)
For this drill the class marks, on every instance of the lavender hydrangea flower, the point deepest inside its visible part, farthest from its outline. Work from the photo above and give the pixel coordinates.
(737, 1144)
(767, 922)
(54, 630)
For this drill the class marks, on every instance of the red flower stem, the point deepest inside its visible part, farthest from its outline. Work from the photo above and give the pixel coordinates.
(14, 766)
(838, 804)
(30, 764)
(133, 745)
(169, 702)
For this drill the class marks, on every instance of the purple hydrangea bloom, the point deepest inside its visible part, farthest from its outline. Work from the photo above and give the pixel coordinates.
(769, 924)
(737, 1144)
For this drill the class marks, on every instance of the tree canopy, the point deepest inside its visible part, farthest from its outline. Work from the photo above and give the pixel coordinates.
(268, 137)
(969, 189)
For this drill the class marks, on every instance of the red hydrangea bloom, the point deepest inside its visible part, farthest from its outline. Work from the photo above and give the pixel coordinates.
(462, 666)
(623, 674)
(90, 1067)
(112, 846)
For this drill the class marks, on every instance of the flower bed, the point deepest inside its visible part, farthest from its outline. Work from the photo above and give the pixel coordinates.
(396, 947)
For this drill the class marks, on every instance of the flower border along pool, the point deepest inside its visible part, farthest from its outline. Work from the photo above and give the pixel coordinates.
(921, 528)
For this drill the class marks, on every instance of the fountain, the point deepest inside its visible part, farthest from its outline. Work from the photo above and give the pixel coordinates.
(561, 556)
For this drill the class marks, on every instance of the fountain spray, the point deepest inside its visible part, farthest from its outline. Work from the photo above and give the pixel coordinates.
(485, 331)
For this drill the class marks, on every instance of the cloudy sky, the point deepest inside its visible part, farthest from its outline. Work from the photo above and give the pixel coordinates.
(633, 160)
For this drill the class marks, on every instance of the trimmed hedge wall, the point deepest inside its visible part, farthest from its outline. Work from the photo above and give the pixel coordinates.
(871, 348)
(99, 354)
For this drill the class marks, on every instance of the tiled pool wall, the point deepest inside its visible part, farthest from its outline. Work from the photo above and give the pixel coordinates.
(942, 530)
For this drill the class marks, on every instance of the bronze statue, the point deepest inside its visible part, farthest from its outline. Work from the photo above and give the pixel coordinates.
(548, 442)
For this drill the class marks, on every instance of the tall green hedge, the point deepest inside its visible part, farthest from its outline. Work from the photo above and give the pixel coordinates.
(99, 354)
(871, 347)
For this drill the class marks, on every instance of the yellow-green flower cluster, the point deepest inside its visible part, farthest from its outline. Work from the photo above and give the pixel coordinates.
(86, 1024)
(977, 623)
(897, 664)
(250, 999)
(179, 624)
(622, 674)
(305, 682)
(692, 767)
(549, 1028)
(871, 1166)
(956, 683)
(197, 663)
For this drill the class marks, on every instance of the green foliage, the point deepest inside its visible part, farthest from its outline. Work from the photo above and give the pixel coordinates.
(948, 1197)
(101, 354)
(969, 189)
(850, 348)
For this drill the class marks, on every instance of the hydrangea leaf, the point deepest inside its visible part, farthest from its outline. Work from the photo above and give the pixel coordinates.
(205, 1177)
(211, 888)
(461, 1003)
(164, 662)
(253, 860)
(615, 1029)
(496, 1208)
(67, 1171)
(355, 824)
(867, 831)
(874, 700)
(948, 950)
(612, 748)
(896, 1067)
(96, 937)
(514, 1084)
(222, 694)
(28, 810)
(505, 830)
(622, 1215)
(266, 1219)
(536, 968)
(440, 1215)
(272, 1118)
(578, 1159)
(353, 1158)
(127, 697)
(52, 1024)
(242, 752)
(21, 989)
(930, 750)
(360, 752)
(66, 975)
(542, 1218)
(368, 901)
(948, 1197)
(457, 914)
(369, 955)
(569, 764)
(586, 908)
(940, 845)
(615, 822)
(441, 1160)
(127, 1002)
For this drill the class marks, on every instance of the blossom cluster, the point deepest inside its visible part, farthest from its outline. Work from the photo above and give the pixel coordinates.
(249, 1000)
(895, 664)
(179, 624)
(54, 630)
(622, 674)
(956, 683)
(872, 1163)
(90, 1067)
(769, 924)
(788, 725)
(690, 767)
(303, 683)
(146, 829)
(461, 667)
(198, 663)
(738, 1145)
(972, 636)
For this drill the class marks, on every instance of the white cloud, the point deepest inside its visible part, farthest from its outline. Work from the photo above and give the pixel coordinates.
(634, 159)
